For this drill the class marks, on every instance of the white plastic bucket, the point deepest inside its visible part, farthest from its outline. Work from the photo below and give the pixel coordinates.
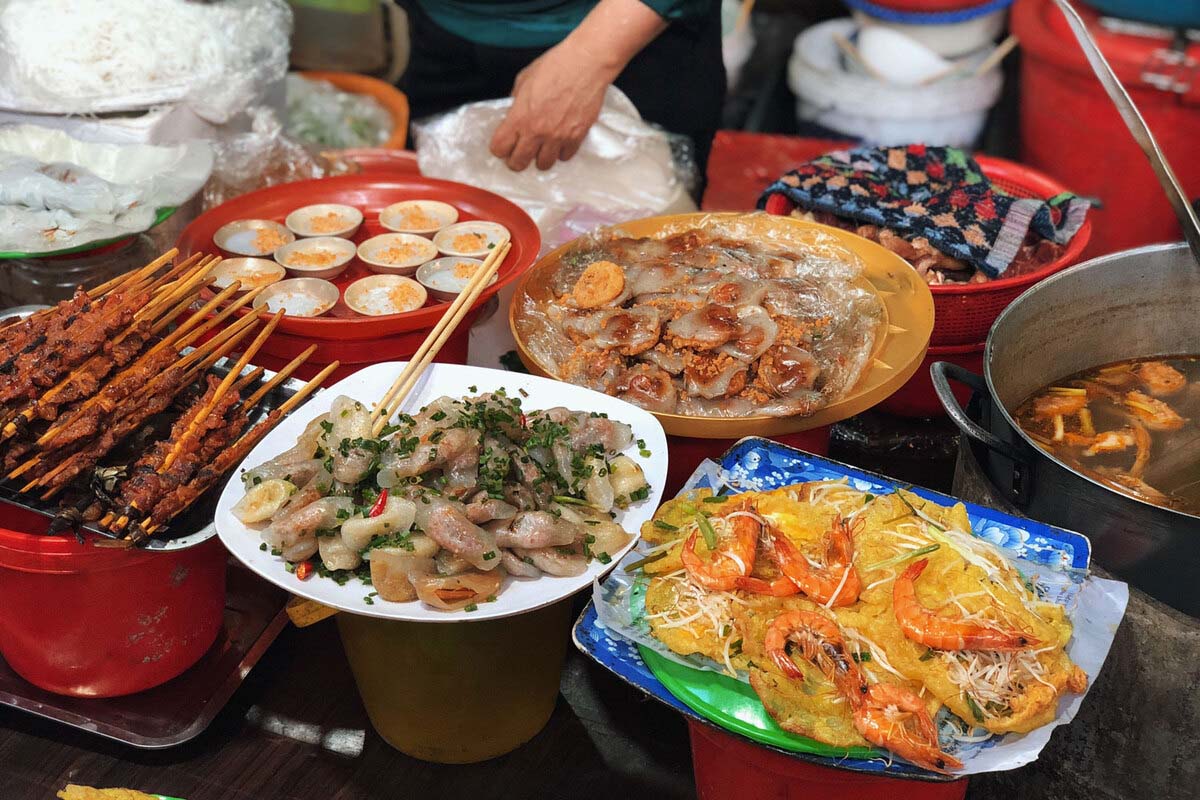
(949, 112)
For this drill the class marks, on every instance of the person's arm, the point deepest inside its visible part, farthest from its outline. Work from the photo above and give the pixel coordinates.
(558, 96)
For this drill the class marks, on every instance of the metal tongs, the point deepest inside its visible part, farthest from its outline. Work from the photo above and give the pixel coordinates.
(1137, 126)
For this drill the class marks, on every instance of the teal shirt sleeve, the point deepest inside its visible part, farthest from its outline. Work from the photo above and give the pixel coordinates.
(673, 10)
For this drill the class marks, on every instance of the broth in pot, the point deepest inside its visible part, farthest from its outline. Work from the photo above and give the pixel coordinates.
(1131, 426)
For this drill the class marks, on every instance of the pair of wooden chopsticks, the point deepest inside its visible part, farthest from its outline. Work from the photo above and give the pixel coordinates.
(302, 611)
(394, 398)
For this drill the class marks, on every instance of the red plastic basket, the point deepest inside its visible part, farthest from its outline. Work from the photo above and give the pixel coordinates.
(964, 313)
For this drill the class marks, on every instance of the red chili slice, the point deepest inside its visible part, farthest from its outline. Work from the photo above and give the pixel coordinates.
(380, 502)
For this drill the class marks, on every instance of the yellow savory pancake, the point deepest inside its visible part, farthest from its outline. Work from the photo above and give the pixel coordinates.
(932, 609)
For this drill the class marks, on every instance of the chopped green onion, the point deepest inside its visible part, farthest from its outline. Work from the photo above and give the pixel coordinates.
(471, 607)
(976, 711)
(571, 501)
(928, 654)
(650, 559)
(914, 510)
(716, 498)
(665, 526)
(900, 559)
(706, 528)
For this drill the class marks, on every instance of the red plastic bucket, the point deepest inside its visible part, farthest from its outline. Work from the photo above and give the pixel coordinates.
(728, 768)
(687, 453)
(1070, 128)
(100, 622)
(917, 398)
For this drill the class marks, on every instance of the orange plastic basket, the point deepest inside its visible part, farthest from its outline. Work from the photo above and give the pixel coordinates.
(964, 313)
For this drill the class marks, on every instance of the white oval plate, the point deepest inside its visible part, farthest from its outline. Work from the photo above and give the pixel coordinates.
(368, 385)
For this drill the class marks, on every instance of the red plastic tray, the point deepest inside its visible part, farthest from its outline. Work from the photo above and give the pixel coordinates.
(370, 194)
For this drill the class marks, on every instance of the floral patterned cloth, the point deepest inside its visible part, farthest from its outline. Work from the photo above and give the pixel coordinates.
(938, 193)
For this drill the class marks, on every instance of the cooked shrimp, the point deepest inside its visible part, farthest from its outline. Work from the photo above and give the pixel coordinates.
(895, 718)
(1053, 405)
(1154, 414)
(1161, 380)
(821, 644)
(732, 558)
(600, 284)
(837, 582)
(943, 633)
(1101, 443)
(783, 586)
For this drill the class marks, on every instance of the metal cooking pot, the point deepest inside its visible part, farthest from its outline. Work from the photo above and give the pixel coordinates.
(1139, 303)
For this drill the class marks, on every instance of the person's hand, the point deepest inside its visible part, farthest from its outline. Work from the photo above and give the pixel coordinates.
(556, 99)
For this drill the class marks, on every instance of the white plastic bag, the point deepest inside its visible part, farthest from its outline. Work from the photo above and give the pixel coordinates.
(625, 169)
(57, 192)
(72, 57)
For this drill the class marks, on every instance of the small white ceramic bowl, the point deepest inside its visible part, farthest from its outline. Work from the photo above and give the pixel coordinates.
(377, 295)
(418, 216)
(251, 272)
(325, 219)
(252, 237)
(299, 297)
(471, 239)
(396, 253)
(318, 257)
(446, 277)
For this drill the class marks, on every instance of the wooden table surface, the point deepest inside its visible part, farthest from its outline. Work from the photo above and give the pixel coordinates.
(296, 730)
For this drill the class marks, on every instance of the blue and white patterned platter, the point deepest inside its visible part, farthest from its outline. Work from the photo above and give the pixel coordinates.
(754, 464)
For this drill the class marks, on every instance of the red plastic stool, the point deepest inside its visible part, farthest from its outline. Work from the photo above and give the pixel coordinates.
(728, 768)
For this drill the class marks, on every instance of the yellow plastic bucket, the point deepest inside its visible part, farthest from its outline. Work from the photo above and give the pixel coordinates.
(457, 693)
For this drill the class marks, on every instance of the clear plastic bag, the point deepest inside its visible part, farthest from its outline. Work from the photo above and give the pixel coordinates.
(264, 156)
(813, 283)
(58, 192)
(323, 115)
(67, 57)
(625, 169)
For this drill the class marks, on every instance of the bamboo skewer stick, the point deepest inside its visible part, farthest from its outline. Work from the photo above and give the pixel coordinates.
(186, 361)
(188, 332)
(213, 351)
(251, 437)
(184, 287)
(115, 283)
(278, 378)
(27, 414)
(116, 525)
(221, 391)
(437, 337)
(105, 288)
(217, 347)
(149, 281)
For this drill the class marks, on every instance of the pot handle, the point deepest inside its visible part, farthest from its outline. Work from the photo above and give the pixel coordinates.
(942, 372)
